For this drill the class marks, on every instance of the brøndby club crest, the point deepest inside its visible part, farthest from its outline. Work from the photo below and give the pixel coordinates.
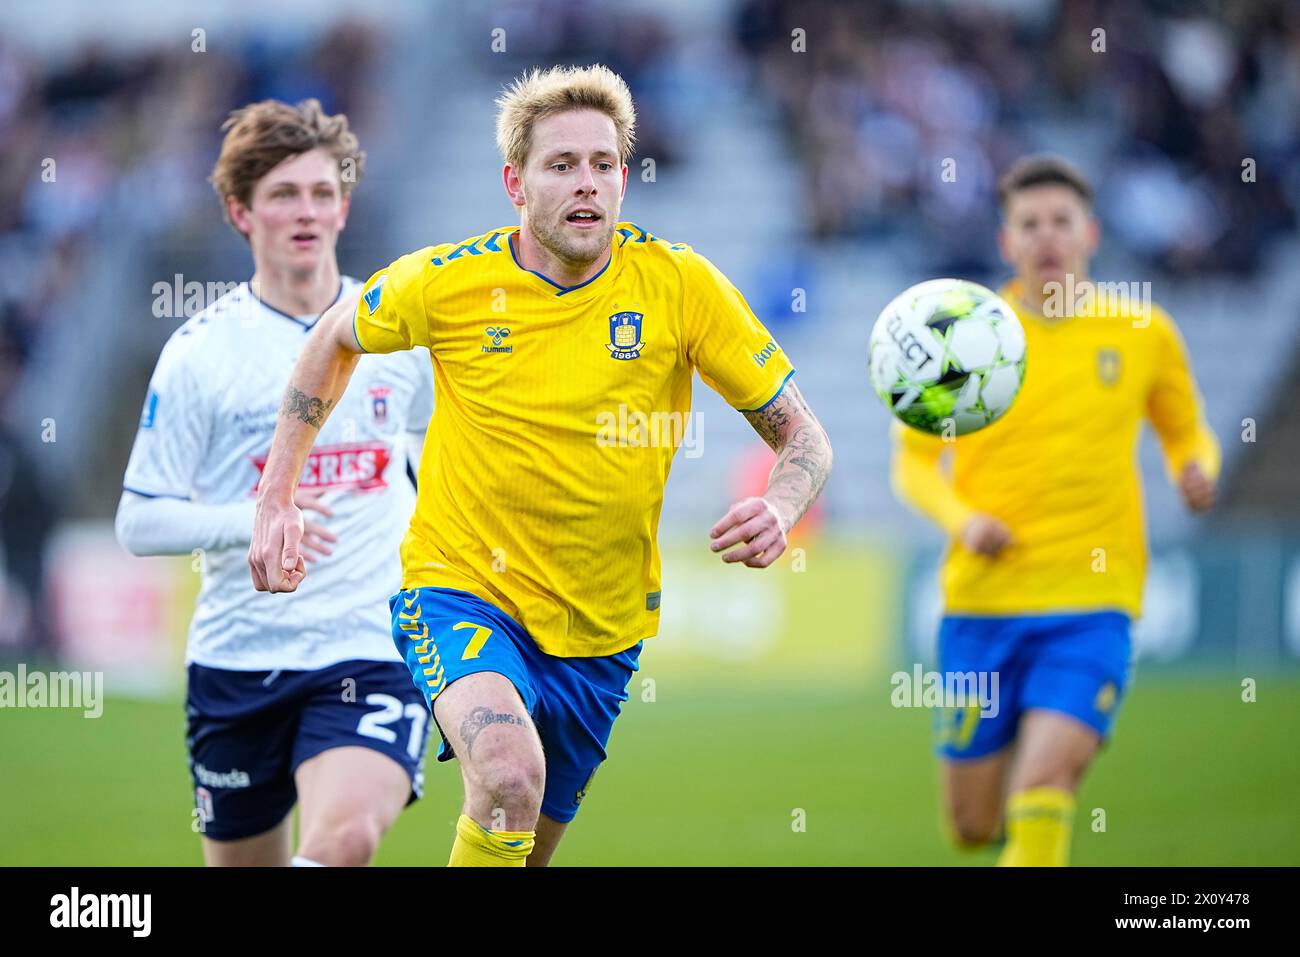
(625, 335)
(1108, 366)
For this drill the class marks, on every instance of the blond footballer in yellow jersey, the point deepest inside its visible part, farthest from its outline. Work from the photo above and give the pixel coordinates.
(524, 501)
(531, 569)
(1047, 547)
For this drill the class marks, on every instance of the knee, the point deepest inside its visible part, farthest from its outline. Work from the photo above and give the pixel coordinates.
(972, 828)
(348, 842)
(514, 784)
(1061, 775)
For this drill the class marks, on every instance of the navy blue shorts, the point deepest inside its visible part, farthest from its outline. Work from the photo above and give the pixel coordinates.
(249, 730)
(1076, 664)
(445, 634)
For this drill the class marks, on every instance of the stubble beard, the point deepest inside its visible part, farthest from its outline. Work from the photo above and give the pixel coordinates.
(574, 255)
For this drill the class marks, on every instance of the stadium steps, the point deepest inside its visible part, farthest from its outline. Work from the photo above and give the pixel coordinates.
(1262, 485)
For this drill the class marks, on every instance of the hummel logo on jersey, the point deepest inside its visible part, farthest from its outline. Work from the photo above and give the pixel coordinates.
(497, 334)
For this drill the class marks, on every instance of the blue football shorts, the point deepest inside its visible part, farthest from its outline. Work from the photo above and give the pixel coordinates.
(1075, 664)
(445, 634)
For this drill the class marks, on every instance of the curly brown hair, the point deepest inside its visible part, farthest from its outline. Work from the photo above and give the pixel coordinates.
(262, 135)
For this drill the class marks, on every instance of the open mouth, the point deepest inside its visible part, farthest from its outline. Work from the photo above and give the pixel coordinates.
(304, 239)
(583, 218)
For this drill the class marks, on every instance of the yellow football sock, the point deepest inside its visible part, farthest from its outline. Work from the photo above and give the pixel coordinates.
(1038, 823)
(476, 846)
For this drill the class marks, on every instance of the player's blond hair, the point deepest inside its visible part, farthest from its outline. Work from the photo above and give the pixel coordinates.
(260, 136)
(537, 94)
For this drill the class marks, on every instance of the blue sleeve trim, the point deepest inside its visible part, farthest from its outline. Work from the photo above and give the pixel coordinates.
(143, 494)
(775, 395)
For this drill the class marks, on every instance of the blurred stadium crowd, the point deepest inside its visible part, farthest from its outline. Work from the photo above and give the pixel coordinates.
(1166, 102)
(885, 92)
(132, 133)
(636, 42)
(127, 127)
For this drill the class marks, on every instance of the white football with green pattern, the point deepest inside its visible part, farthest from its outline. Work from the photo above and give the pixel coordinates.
(947, 356)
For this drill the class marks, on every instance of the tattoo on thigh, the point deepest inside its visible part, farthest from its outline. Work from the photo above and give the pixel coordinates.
(480, 718)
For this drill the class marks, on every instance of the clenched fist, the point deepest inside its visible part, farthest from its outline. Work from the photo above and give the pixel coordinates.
(283, 539)
(985, 535)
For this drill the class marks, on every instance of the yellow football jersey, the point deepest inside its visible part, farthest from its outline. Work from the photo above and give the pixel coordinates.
(1060, 468)
(558, 413)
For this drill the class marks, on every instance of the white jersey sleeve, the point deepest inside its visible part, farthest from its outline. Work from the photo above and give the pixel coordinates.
(174, 425)
(161, 525)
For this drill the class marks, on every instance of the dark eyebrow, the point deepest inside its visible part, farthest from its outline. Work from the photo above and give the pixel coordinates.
(286, 182)
(570, 154)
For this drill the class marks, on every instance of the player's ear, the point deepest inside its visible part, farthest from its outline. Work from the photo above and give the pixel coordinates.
(1092, 234)
(514, 185)
(239, 216)
(1003, 249)
(623, 193)
(344, 206)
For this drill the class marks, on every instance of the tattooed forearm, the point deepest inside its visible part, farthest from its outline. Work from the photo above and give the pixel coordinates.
(481, 718)
(308, 408)
(772, 422)
(803, 460)
(800, 472)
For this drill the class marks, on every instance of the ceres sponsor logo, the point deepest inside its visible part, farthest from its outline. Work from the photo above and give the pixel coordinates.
(766, 353)
(354, 465)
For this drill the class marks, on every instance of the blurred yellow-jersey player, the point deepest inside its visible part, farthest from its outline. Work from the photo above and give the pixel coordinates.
(1058, 469)
(1047, 550)
(563, 352)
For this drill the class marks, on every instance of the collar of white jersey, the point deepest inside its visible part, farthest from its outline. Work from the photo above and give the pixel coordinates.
(296, 320)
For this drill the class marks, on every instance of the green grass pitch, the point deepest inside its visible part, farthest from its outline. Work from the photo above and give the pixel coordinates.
(716, 772)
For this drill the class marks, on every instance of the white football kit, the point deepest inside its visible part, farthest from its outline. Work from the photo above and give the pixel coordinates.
(209, 416)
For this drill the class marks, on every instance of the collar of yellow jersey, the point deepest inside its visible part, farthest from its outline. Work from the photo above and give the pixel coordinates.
(1013, 292)
(558, 289)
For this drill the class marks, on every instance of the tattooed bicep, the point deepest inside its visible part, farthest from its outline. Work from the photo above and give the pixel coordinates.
(774, 421)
